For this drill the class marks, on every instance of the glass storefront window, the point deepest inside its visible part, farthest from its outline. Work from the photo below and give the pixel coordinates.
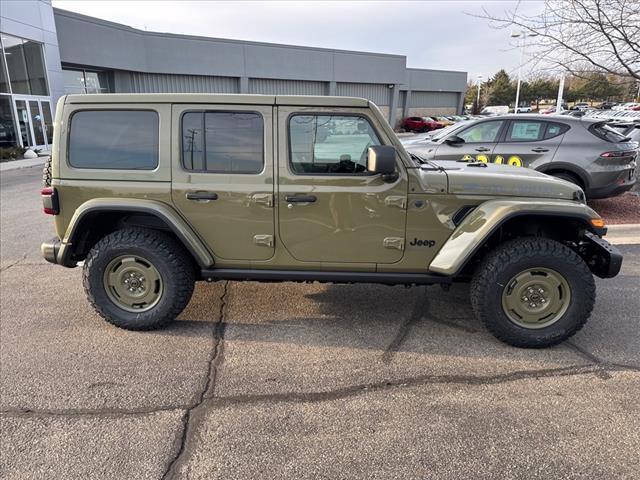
(7, 127)
(36, 121)
(73, 81)
(23, 123)
(25, 63)
(82, 81)
(4, 81)
(48, 123)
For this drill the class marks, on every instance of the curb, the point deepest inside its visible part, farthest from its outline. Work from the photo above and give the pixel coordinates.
(26, 163)
(623, 234)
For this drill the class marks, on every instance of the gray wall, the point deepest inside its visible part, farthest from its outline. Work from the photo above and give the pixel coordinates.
(34, 20)
(92, 42)
(144, 61)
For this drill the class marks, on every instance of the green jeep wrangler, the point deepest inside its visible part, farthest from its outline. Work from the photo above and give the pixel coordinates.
(154, 192)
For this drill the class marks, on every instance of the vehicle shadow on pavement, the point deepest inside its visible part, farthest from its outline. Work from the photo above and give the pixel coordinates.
(394, 324)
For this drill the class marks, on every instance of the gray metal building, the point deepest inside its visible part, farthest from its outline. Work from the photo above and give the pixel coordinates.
(88, 55)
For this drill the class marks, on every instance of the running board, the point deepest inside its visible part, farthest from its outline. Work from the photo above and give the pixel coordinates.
(323, 276)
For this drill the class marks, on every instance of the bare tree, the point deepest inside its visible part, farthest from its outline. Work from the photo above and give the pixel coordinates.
(580, 36)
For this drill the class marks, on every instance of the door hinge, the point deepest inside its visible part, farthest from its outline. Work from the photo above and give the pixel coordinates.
(399, 201)
(262, 198)
(266, 240)
(394, 242)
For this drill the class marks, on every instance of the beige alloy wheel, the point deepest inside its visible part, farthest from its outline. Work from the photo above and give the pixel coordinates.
(133, 283)
(536, 298)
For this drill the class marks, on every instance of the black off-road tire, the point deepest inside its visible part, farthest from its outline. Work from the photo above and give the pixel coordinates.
(511, 258)
(161, 250)
(46, 173)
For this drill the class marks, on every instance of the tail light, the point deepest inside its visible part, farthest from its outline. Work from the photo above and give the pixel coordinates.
(618, 154)
(50, 204)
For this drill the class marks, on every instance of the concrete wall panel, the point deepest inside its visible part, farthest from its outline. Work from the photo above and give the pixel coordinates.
(167, 83)
(433, 99)
(378, 94)
(286, 87)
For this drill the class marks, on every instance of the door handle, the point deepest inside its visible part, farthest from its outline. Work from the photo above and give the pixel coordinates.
(202, 196)
(482, 149)
(300, 198)
(539, 149)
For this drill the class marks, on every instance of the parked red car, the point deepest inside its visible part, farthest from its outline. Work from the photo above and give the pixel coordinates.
(420, 124)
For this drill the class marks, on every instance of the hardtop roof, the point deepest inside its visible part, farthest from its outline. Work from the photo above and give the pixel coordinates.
(218, 98)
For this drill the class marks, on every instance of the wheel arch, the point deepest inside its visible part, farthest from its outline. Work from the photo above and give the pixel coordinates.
(555, 166)
(488, 223)
(110, 214)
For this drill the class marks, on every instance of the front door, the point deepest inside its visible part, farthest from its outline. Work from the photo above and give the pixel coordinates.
(330, 208)
(478, 143)
(34, 122)
(222, 177)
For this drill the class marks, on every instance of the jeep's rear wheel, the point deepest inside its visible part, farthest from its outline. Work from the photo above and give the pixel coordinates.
(533, 292)
(138, 279)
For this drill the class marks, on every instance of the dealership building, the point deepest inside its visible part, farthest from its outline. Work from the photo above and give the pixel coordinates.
(47, 52)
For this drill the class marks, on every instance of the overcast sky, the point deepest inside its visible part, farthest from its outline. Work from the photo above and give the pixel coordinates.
(432, 34)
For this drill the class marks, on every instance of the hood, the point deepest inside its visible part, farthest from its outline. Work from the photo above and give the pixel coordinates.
(504, 180)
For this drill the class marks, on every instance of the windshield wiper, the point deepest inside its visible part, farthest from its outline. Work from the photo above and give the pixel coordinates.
(424, 161)
(420, 160)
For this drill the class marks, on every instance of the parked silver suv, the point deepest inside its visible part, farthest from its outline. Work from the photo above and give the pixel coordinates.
(588, 153)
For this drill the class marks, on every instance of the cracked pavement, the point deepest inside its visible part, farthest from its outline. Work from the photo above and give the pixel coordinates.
(302, 380)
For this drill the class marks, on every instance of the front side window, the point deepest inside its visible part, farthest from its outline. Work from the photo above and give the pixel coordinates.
(525, 131)
(330, 144)
(114, 139)
(223, 142)
(482, 133)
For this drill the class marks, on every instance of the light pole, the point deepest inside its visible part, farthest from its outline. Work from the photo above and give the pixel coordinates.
(560, 93)
(524, 34)
(479, 85)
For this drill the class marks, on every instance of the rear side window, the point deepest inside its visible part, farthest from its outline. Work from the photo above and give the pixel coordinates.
(223, 142)
(525, 131)
(114, 139)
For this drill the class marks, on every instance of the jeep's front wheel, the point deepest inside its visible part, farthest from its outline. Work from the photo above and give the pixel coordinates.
(138, 279)
(533, 292)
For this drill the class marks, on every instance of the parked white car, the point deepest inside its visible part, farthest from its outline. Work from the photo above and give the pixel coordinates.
(625, 106)
(495, 110)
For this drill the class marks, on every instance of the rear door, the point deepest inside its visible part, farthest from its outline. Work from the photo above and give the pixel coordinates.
(529, 143)
(479, 141)
(222, 176)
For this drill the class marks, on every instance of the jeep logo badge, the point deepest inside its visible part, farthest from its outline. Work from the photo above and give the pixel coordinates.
(422, 243)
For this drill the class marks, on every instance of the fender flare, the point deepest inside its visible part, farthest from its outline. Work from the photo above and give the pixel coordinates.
(164, 212)
(482, 222)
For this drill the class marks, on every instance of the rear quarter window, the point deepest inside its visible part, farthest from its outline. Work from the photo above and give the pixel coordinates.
(555, 129)
(114, 139)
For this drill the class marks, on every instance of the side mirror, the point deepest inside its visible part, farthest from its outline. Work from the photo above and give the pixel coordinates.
(381, 159)
(454, 140)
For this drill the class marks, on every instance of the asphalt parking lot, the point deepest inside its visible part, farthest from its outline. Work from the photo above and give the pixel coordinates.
(302, 381)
